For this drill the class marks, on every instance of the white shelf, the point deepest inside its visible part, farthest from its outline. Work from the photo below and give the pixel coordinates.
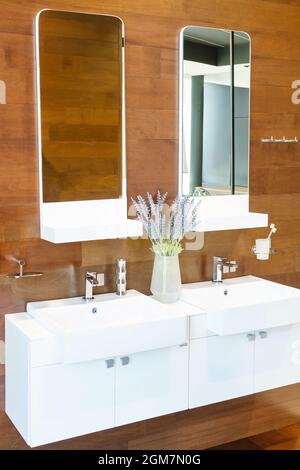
(65, 234)
(233, 222)
(87, 220)
(228, 213)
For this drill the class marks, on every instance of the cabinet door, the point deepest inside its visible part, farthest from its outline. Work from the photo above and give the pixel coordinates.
(221, 367)
(151, 383)
(277, 357)
(68, 400)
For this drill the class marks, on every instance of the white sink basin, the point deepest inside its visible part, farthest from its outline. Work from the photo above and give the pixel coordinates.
(110, 325)
(244, 304)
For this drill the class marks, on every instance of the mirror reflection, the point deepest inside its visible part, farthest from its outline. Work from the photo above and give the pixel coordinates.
(80, 100)
(215, 86)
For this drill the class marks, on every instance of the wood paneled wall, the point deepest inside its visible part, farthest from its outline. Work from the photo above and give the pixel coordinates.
(81, 105)
(152, 30)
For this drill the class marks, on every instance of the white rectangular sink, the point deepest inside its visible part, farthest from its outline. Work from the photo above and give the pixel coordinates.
(110, 325)
(244, 304)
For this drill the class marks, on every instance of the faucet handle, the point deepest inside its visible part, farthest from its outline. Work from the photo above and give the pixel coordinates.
(225, 268)
(220, 259)
(99, 281)
(232, 265)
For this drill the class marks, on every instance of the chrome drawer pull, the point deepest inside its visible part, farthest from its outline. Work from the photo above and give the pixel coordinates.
(110, 363)
(251, 336)
(263, 334)
(125, 360)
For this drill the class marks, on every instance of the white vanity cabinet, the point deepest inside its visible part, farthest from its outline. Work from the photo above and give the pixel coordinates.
(46, 399)
(67, 400)
(84, 397)
(230, 366)
(151, 383)
(160, 361)
(277, 357)
(49, 400)
(220, 368)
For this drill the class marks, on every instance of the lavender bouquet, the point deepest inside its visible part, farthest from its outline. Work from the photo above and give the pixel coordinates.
(166, 225)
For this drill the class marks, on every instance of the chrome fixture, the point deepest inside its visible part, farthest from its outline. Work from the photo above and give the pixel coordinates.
(125, 360)
(110, 363)
(251, 336)
(279, 141)
(21, 263)
(92, 280)
(121, 277)
(200, 191)
(263, 334)
(222, 266)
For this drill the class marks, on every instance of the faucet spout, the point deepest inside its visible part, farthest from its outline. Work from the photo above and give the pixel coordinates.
(92, 279)
(218, 269)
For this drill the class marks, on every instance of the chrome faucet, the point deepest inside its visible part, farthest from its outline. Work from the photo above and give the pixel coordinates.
(121, 277)
(92, 280)
(222, 266)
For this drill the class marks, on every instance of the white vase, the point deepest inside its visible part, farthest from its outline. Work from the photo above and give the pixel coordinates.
(166, 279)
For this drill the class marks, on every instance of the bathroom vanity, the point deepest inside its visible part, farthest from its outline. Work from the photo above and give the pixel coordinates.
(74, 368)
(125, 363)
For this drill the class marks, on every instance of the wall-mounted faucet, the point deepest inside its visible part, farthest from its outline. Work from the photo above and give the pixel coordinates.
(222, 266)
(92, 280)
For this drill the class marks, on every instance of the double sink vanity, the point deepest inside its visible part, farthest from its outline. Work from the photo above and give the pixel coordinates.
(75, 367)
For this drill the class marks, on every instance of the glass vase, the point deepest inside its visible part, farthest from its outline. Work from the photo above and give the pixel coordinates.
(166, 279)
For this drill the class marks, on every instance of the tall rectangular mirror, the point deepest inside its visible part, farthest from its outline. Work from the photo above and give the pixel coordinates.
(214, 112)
(80, 71)
(81, 127)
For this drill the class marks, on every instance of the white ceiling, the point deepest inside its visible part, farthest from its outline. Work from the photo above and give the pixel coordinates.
(219, 74)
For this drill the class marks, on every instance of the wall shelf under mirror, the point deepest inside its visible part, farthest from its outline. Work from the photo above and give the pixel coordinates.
(81, 127)
(214, 126)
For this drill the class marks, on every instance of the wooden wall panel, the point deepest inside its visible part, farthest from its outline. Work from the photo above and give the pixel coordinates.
(81, 106)
(152, 30)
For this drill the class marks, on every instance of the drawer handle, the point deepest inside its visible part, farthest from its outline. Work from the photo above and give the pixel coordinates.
(125, 360)
(263, 334)
(110, 363)
(251, 336)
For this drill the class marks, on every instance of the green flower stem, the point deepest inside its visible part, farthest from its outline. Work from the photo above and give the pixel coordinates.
(166, 247)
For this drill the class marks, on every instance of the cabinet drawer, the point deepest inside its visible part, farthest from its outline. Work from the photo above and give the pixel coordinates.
(198, 327)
